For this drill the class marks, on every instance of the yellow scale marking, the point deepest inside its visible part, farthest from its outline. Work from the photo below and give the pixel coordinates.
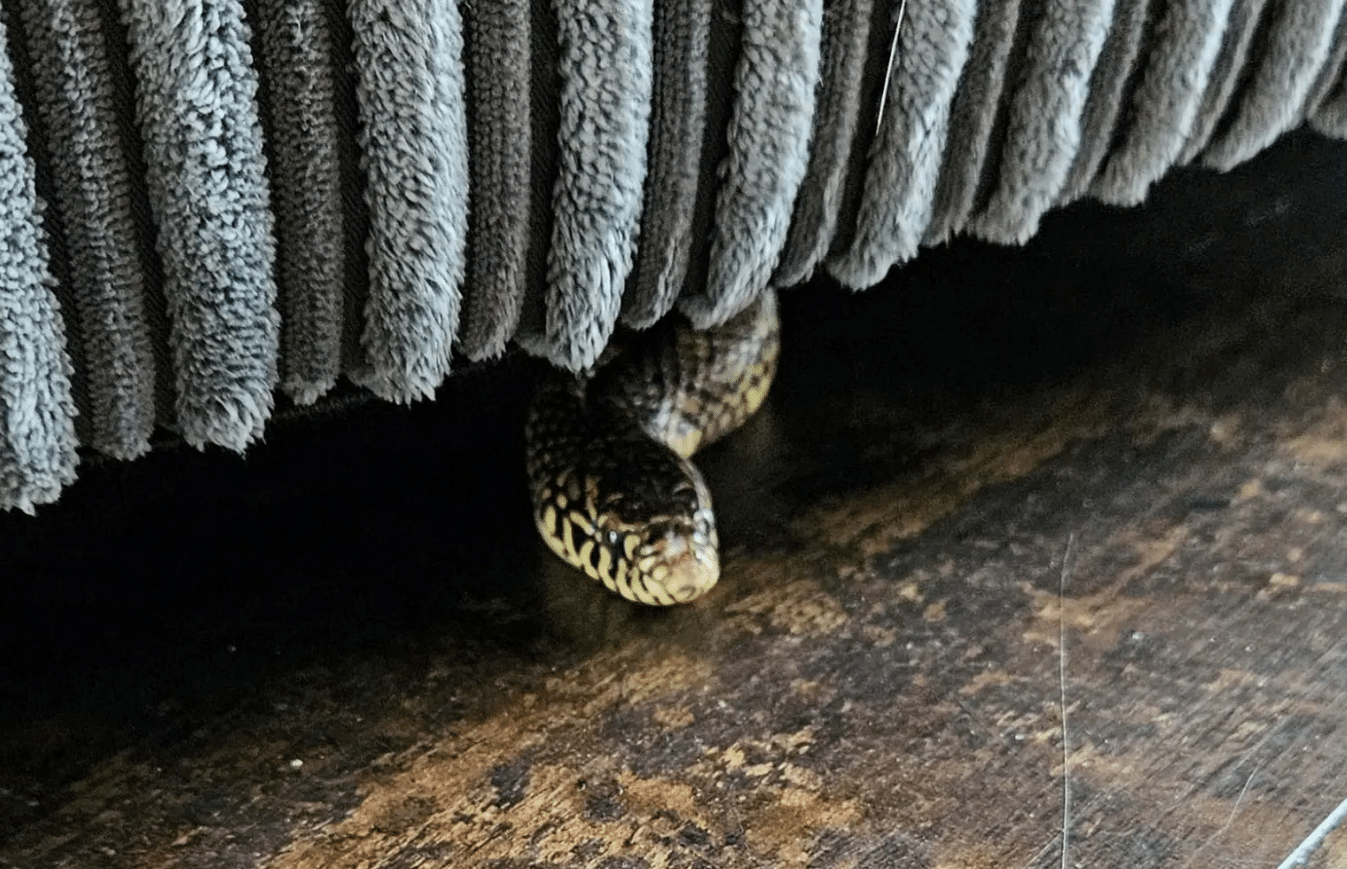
(605, 563)
(623, 587)
(657, 592)
(584, 523)
(567, 536)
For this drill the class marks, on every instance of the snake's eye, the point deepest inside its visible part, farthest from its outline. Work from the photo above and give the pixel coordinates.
(613, 537)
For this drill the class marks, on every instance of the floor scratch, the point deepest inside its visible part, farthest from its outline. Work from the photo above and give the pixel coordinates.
(1234, 810)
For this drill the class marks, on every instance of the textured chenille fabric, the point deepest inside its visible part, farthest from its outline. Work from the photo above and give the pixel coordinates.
(498, 36)
(606, 81)
(91, 199)
(1187, 38)
(296, 42)
(196, 104)
(896, 202)
(677, 128)
(1044, 127)
(93, 202)
(1329, 77)
(218, 208)
(1237, 55)
(987, 77)
(1299, 41)
(1108, 94)
(1328, 112)
(413, 137)
(37, 430)
(775, 83)
(845, 39)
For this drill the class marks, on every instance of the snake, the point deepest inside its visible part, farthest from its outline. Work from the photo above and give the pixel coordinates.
(614, 491)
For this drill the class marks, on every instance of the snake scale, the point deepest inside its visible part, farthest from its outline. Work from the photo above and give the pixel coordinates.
(614, 492)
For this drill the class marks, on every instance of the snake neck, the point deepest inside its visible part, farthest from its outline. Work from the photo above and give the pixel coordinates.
(687, 388)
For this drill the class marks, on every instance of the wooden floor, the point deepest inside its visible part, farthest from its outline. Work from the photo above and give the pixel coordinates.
(1036, 549)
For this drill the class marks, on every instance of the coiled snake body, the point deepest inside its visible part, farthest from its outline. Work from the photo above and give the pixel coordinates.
(614, 491)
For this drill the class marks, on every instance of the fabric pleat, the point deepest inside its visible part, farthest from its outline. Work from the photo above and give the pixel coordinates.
(1299, 43)
(606, 82)
(1108, 94)
(1330, 74)
(846, 35)
(775, 86)
(296, 53)
(230, 206)
(92, 202)
(196, 102)
(678, 118)
(1246, 18)
(899, 189)
(973, 117)
(37, 414)
(413, 138)
(1044, 126)
(1329, 114)
(1177, 68)
(497, 39)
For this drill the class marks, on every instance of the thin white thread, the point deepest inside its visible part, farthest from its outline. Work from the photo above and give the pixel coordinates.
(888, 73)
(1061, 682)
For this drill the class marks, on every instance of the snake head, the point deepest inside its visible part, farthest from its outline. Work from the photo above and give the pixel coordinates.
(627, 511)
(680, 559)
(661, 529)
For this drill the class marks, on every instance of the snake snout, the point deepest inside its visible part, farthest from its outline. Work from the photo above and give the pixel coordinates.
(688, 563)
(691, 575)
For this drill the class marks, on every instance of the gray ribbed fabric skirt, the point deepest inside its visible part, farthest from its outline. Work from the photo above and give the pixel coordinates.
(209, 200)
